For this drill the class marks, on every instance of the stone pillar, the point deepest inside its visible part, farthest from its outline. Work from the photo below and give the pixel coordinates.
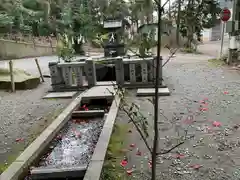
(151, 65)
(56, 76)
(119, 72)
(144, 72)
(91, 72)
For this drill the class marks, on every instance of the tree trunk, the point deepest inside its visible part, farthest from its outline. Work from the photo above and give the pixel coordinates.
(178, 23)
(190, 23)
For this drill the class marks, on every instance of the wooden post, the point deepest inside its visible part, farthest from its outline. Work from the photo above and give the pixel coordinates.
(12, 76)
(39, 69)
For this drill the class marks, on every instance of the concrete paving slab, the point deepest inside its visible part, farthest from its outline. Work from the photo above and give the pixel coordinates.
(47, 173)
(98, 92)
(151, 92)
(60, 95)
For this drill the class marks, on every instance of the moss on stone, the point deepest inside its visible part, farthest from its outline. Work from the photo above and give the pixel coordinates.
(22, 79)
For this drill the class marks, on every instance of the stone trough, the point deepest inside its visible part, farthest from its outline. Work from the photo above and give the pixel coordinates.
(73, 144)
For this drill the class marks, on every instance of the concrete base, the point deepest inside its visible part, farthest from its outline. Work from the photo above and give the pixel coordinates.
(90, 113)
(60, 95)
(53, 173)
(151, 92)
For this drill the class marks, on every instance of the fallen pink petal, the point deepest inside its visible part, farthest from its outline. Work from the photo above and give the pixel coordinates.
(132, 145)
(139, 153)
(203, 102)
(226, 92)
(203, 109)
(209, 129)
(216, 124)
(150, 164)
(19, 139)
(77, 134)
(129, 172)
(74, 121)
(59, 137)
(123, 163)
(179, 156)
(196, 166)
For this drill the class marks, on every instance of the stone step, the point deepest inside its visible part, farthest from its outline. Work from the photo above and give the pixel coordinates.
(99, 92)
(60, 95)
(151, 92)
(90, 113)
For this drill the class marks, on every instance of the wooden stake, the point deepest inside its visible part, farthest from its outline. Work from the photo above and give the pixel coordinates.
(12, 76)
(39, 69)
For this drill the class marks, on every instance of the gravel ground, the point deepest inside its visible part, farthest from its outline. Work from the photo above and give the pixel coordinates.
(211, 95)
(24, 115)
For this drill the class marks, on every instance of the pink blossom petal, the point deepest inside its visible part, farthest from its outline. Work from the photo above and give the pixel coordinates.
(203, 109)
(209, 129)
(129, 172)
(225, 92)
(180, 156)
(150, 164)
(19, 139)
(78, 134)
(123, 163)
(132, 145)
(196, 166)
(216, 124)
(59, 137)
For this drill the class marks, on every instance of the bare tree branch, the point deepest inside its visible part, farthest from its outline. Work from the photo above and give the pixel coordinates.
(173, 53)
(175, 146)
(165, 3)
(139, 130)
(171, 149)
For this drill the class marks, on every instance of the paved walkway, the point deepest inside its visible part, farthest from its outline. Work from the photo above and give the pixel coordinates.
(212, 48)
(214, 152)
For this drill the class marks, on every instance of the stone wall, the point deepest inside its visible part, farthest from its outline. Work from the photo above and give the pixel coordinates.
(14, 50)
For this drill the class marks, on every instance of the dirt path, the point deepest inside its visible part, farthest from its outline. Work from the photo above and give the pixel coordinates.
(213, 154)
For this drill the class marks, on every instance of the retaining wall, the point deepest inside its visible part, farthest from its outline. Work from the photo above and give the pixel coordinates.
(15, 50)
